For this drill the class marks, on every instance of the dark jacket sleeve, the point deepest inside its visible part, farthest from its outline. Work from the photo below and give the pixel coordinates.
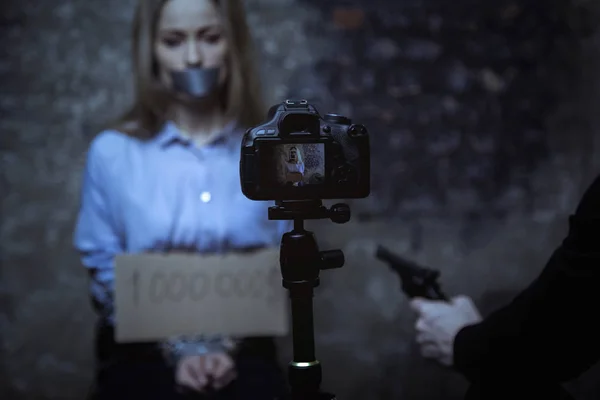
(551, 329)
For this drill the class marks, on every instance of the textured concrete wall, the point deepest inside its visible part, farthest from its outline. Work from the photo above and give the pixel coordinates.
(484, 130)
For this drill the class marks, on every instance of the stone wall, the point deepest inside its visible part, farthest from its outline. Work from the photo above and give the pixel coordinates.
(484, 134)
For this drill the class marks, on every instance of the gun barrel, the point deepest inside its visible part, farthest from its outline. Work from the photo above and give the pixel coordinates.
(416, 280)
(396, 262)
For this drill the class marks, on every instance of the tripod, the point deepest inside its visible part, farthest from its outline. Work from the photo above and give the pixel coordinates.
(301, 261)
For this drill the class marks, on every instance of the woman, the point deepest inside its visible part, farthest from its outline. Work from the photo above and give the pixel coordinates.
(166, 178)
(294, 168)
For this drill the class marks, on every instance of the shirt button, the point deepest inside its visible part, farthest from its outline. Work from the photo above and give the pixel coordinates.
(205, 197)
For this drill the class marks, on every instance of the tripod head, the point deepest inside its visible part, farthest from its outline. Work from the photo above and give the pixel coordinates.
(301, 262)
(309, 209)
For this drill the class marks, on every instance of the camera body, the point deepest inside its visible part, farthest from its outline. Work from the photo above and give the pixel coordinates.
(299, 155)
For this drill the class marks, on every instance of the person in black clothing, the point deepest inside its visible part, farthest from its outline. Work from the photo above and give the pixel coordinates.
(549, 334)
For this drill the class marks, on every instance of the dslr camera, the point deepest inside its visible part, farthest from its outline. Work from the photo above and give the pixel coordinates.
(299, 155)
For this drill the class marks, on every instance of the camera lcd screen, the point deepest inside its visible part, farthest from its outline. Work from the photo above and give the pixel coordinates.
(293, 165)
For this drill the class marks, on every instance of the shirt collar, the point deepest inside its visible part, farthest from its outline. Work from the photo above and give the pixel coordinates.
(170, 134)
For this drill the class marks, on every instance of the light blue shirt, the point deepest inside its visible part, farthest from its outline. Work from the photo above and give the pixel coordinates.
(164, 194)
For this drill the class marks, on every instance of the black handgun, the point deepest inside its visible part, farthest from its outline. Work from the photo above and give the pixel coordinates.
(416, 281)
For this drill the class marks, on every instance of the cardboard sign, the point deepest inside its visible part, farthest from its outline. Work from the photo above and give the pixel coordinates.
(161, 296)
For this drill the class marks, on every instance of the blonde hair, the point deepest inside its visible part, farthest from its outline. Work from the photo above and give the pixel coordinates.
(242, 97)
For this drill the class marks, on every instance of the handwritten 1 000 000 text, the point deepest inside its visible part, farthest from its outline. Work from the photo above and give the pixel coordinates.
(177, 286)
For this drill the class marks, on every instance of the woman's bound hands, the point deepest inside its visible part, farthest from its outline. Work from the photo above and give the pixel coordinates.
(207, 371)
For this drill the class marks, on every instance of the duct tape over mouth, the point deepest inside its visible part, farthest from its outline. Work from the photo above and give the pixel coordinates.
(197, 82)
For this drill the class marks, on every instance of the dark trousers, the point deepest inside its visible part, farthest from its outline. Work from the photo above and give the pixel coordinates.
(139, 371)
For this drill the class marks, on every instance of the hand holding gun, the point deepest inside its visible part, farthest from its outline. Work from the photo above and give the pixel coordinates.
(439, 318)
(416, 281)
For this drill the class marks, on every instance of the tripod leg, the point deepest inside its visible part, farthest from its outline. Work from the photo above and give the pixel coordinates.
(301, 262)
